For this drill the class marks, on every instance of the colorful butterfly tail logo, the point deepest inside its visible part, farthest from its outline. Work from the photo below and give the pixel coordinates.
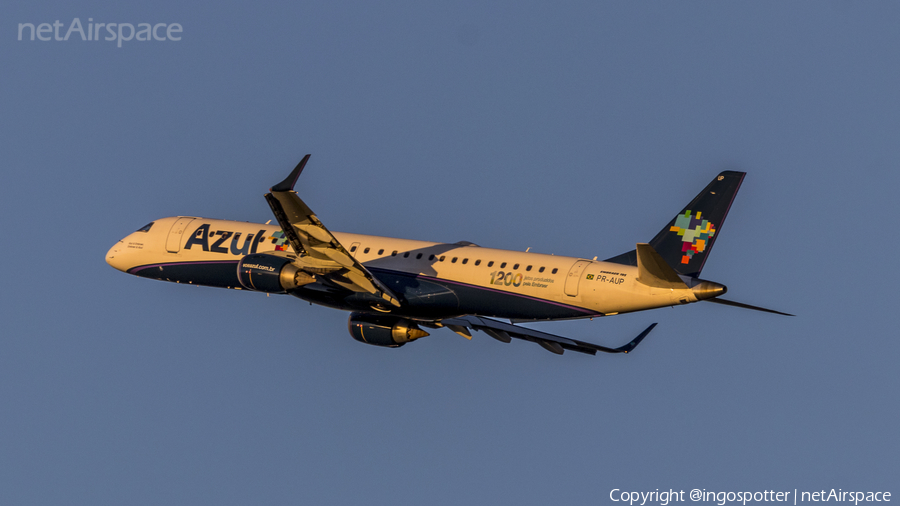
(695, 234)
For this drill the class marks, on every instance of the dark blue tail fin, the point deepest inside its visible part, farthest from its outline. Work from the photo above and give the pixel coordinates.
(687, 240)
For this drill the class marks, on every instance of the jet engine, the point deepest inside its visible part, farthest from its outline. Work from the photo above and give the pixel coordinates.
(379, 330)
(271, 274)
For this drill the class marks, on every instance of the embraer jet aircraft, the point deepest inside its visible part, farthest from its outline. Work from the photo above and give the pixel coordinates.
(393, 287)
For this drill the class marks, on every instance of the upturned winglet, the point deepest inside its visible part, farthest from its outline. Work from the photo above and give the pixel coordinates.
(289, 182)
(636, 341)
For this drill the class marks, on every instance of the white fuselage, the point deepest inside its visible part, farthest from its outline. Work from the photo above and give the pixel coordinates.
(491, 282)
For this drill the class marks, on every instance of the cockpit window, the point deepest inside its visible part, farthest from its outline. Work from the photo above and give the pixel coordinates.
(145, 228)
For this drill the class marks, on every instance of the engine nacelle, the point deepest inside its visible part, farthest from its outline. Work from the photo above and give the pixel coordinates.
(383, 330)
(271, 274)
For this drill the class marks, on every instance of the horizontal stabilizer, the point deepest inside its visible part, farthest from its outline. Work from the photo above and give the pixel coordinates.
(745, 306)
(654, 271)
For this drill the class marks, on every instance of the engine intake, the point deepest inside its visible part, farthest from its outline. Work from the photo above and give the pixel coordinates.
(378, 330)
(271, 274)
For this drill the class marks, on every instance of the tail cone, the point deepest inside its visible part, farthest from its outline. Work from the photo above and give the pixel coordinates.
(708, 290)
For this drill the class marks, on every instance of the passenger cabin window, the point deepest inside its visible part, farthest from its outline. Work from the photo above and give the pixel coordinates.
(365, 251)
(491, 263)
(442, 258)
(418, 256)
(528, 268)
(453, 261)
(381, 251)
(516, 267)
(394, 253)
(352, 249)
(406, 255)
(477, 262)
(146, 228)
(541, 269)
(503, 265)
(554, 271)
(465, 261)
(431, 257)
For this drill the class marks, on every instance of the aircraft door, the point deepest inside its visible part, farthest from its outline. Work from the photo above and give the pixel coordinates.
(176, 233)
(574, 276)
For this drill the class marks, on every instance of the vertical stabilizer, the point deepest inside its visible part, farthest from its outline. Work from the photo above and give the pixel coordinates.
(687, 240)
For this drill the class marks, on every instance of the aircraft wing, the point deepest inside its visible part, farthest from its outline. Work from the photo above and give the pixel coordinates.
(504, 332)
(320, 252)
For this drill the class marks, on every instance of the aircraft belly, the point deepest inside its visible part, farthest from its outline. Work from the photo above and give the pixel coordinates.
(499, 304)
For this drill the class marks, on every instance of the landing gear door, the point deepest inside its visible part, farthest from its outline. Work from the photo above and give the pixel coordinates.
(574, 277)
(176, 234)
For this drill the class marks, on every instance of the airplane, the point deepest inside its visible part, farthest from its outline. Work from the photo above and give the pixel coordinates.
(394, 287)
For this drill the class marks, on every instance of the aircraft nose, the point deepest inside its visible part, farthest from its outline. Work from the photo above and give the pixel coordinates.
(708, 289)
(114, 256)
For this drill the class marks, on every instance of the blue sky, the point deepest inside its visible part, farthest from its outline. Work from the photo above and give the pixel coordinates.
(576, 129)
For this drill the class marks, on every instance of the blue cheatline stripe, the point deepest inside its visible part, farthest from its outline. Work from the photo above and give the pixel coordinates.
(142, 267)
